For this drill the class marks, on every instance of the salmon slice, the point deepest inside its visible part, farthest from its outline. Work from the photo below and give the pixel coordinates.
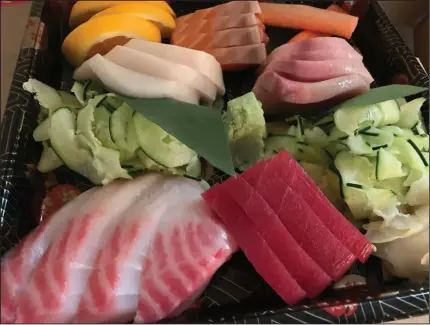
(151, 65)
(297, 262)
(276, 92)
(18, 263)
(131, 83)
(55, 286)
(200, 61)
(239, 57)
(223, 38)
(230, 9)
(338, 225)
(215, 24)
(188, 246)
(299, 219)
(314, 71)
(254, 246)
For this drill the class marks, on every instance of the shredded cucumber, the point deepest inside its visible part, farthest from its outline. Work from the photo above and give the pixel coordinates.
(410, 113)
(351, 119)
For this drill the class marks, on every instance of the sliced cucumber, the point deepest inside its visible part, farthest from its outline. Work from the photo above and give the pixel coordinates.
(358, 145)
(419, 129)
(357, 201)
(325, 120)
(194, 168)
(354, 170)
(161, 146)
(147, 162)
(277, 128)
(394, 184)
(92, 89)
(41, 132)
(336, 134)
(410, 113)
(49, 160)
(275, 144)
(101, 127)
(69, 100)
(388, 166)
(300, 129)
(123, 132)
(383, 203)
(351, 119)
(310, 154)
(408, 153)
(390, 112)
(316, 137)
(395, 130)
(377, 138)
(334, 148)
(421, 141)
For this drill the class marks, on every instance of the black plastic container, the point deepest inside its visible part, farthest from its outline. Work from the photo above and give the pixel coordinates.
(236, 294)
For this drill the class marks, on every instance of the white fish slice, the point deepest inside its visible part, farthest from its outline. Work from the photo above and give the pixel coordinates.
(154, 66)
(198, 60)
(18, 263)
(130, 83)
(55, 286)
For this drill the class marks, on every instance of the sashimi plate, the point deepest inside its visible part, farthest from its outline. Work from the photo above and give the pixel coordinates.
(236, 293)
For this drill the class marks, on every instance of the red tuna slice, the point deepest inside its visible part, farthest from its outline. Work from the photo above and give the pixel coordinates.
(215, 24)
(299, 219)
(313, 71)
(339, 226)
(224, 38)
(298, 263)
(256, 249)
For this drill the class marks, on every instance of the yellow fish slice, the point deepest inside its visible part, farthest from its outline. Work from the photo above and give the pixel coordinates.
(160, 17)
(100, 35)
(84, 10)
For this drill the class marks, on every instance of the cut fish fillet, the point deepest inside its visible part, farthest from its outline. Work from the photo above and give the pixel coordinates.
(151, 65)
(299, 219)
(338, 225)
(57, 283)
(223, 38)
(274, 91)
(198, 60)
(188, 247)
(314, 71)
(130, 83)
(18, 264)
(230, 9)
(252, 243)
(214, 25)
(239, 57)
(297, 262)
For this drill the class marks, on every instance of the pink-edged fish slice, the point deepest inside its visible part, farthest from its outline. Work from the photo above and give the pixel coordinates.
(56, 285)
(189, 245)
(18, 263)
(300, 220)
(254, 246)
(113, 286)
(298, 263)
(338, 225)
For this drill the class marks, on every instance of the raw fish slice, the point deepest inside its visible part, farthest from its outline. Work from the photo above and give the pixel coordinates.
(130, 83)
(301, 222)
(252, 243)
(113, 286)
(224, 38)
(230, 9)
(338, 225)
(187, 248)
(57, 283)
(198, 60)
(153, 66)
(323, 44)
(239, 57)
(297, 262)
(314, 71)
(215, 24)
(277, 92)
(18, 264)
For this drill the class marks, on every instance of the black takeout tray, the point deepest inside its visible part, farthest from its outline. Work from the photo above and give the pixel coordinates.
(236, 293)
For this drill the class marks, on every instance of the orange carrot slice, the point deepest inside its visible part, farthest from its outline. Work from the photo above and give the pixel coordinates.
(308, 18)
(308, 34)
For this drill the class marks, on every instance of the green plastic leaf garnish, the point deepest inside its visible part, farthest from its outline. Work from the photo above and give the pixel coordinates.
(381, 94)
(198, 127)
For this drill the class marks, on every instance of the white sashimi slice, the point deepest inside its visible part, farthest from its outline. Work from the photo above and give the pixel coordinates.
(18, 264)
(55, 286)
(131, 83)
(198, 60)
(187, 248)
(161, 68)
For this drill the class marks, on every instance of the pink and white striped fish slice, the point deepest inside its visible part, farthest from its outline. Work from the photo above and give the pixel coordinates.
(189, 246)
(17, 265)
(55, 287)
